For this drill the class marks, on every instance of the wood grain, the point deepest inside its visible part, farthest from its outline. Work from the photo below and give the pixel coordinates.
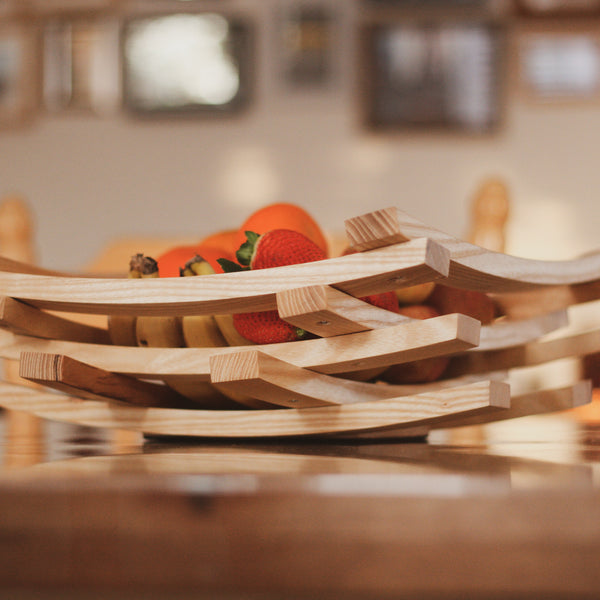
(327, 312)
(281, 383)
(471, 267)
(526, 355)
(353, 352)
(74, 377)
(422, 409)
(538, 402)
(28, 320)
(358, 274)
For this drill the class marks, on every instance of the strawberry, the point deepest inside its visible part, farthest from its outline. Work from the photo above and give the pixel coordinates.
(387, 300)
(275, 248)
(266, 328)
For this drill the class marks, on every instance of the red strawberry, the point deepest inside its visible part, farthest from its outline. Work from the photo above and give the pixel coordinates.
(276, 248)
(266, 328)
(387, 300)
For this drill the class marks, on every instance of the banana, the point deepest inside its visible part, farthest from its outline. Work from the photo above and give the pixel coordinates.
(229, 332)
(210, 331)
(122, 328)
(159, 332)
(202, 331)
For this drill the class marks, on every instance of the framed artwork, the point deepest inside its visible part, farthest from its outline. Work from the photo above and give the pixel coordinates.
(558, 63)
(19, 72)
(432, 76)
(307, 45)
(186, 63)
(554, 8)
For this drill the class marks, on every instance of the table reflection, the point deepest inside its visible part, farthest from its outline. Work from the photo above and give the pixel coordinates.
(552, 452)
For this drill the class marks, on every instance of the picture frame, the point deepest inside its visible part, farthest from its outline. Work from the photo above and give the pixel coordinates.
(209, 72)
(306, 45)
(441, 76)
(19, 72)
(559, 62)
(558, 8)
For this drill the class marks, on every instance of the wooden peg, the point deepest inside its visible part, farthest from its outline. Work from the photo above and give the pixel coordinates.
(489, 215)
(16, 230)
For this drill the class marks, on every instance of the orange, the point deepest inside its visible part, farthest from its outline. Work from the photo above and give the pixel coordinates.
(225, 239)
(173, 259)
(282, 216)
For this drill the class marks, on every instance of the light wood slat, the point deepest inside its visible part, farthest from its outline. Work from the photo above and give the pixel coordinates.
(539, 402)
(74, 377)
(21, 318)
(471, 267)
(534, 403)
(526, 355)
(357, 351)
(507, 333)
(359, 275)
(327, 312)
(272, 380)
(423, 409)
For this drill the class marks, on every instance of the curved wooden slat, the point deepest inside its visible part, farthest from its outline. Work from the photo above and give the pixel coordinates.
(389, 268)
(277, 382)
(422, 409)
(72, 376)
(21, 318)
(358, 351)
(526, 355)
(471, 267)
(328, 312)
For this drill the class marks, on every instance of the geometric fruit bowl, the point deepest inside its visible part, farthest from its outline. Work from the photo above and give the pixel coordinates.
(330, 384)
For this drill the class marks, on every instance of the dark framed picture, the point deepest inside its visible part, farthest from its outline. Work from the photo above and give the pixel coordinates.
(433, 76)
(557, 64)
(306, 44)
(19, 72)
(556, 8)
(186, 63)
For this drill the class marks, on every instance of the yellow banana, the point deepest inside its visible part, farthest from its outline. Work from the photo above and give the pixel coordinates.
(229, 332)
(210, 331)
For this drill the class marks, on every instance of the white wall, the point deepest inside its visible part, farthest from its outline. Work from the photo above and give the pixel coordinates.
(91, 179)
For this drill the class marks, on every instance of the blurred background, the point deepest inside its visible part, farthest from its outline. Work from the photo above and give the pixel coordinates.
(164, 118)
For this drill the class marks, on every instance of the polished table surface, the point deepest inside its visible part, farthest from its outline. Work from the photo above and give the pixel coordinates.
(510, 510)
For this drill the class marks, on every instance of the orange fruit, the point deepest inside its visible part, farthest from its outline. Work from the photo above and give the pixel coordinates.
(282, 216)
(173, 259)
(225, 239)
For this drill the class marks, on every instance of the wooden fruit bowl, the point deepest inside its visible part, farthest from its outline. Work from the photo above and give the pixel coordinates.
(309, 387)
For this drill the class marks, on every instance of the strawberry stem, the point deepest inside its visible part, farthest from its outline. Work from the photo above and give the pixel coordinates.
(246, 250)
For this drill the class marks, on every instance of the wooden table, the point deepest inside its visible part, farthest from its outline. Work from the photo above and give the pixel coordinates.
(509, 511)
